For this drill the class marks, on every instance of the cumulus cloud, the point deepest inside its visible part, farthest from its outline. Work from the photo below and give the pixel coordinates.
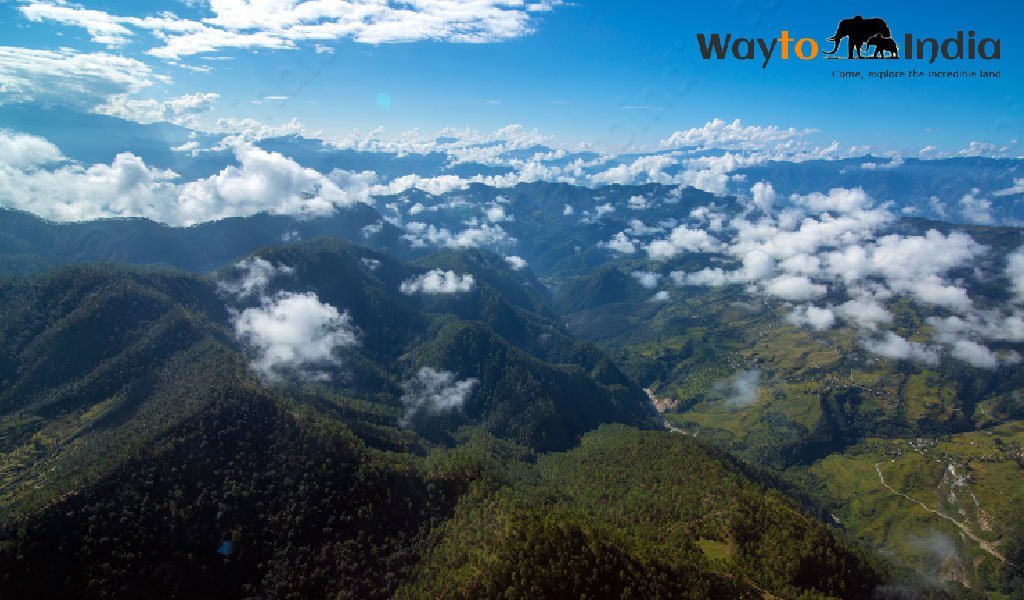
(294, 334)
(647, 279)
(254, 276)
(793, 287)
(812, 316)
(22, 151)
(893, 346)
(975, 209)
(434, 391)
(740, 390)
(865, 313)
(841, 200)
(253, 130)
(833, 243)
(1015, 272)
(720, 134)
(517, 263)
(262, 182)
(496, 214)
(682, 239)
(974, 354)
(128, 187)
(437, 281)
(644, 169)
(619, 243)
(421, 234)
(763, 196)
(638, 228)
(182, 110)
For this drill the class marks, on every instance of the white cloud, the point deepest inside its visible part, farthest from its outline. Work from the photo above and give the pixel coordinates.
(619, 243)
(814, 317)
(895, 347)
(517, 263)
(181, 110)
(262, 182)
(125, 188)
(764, 196)
(434, 391)
(567, 210)
(496, 214)
(22, 151)
(1015, 272)
(741, 389)
(255, 274)
(931, 290)
(976, 148)
(437, 281)
(974, 354)
(102, 27)
(644, 169)
(638, 203)
(975, 209)
(294, 334)
(866, 313)
(647, 279)
(68, 78)
(719, 134)
(420, 234)
(637, 227)
(839, 200)
(710, 277)
(253, 130)
(793, 287)
(801, 264)
(1013, 190)
(706, 180)
(682, 239)
(662, 296)
(281, 24)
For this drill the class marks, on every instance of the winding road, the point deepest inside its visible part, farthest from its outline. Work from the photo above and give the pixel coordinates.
(987, 547)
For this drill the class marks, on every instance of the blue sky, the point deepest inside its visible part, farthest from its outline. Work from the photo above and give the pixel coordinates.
(608, 73)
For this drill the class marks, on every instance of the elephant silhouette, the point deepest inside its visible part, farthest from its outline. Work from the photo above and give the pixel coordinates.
(857, 32)
(884, 44)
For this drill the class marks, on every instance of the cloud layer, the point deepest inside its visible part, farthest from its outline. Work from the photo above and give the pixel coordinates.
(284, 24)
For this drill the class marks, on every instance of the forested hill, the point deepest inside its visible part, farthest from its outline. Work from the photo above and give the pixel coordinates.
(156, 443)
(29, 244)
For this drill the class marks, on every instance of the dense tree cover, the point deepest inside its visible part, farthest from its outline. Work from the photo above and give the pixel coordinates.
(249, 498)
(624, 515)
(505, 549)
(29, 244)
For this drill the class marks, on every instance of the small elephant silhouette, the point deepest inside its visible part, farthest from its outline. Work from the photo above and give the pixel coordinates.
(884, 44)
(857, 31)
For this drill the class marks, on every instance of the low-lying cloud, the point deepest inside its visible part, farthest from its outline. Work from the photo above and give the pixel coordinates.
(254, 277)
(294, 335)
(437, 281)
(434, 391)
(740, 390)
